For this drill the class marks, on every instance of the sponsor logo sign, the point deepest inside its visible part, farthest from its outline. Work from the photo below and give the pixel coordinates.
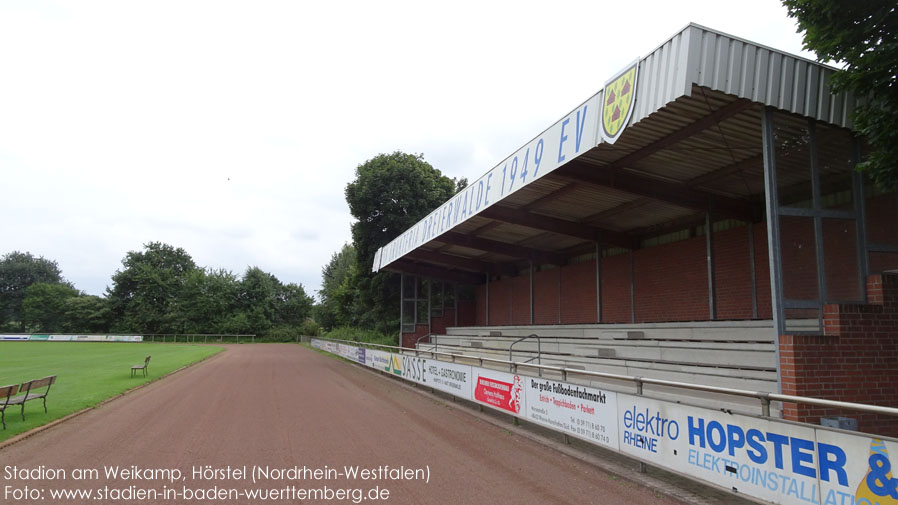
(360, 355)
(395, 364)
(379, 360)
(869, 473)
(618, 101)
(584, 412)
(449, 377)
(771, 460)
(499, 390)
(14, 337)
(346, 351)
(413, 368)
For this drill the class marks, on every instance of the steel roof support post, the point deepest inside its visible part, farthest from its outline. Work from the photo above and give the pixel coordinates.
(488, 275)
(414, 299)
(632, 291)
(822, 295)
(598, 282)
(531, 293)
(429, 308)
(771, 197)
(455, 301)
(709, 253)
(860, 212)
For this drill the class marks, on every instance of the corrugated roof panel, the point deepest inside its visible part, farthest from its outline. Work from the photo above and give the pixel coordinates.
(764, 75)
(551, 242)
(509, 233)
(724, 67)
(642, 216)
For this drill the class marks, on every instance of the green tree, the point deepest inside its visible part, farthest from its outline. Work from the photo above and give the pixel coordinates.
(145, 293)
(294, 305)
(390, 193)
(864, 36)
(335, 296)
(258, 299)
(44, 306)
(18, 271)
(87, 314)
(207, 301)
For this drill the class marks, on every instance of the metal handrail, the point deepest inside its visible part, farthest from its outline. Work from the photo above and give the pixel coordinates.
(418, 342)
(538, 349)
(764, 396)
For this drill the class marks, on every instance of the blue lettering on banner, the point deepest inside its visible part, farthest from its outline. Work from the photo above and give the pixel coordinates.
(479, 193)
(471, 203)
(580, 127)
(488, 187)
(449, 214)
(644, 430)
(766, 479)
(831, 458)
(563, 138)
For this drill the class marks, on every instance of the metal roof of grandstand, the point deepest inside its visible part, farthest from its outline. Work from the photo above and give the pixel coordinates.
(676, 133)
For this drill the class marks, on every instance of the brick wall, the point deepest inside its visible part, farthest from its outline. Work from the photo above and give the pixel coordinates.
(520, 299)
(671, 282)
(732, 274)
(578, 293)
(439, 324)
(500, 302)
(467, 313)
(855, 360)
(409, 339)
(670, 285)
(545, 296)
(616, 289)
(480, 305)
(762, 271)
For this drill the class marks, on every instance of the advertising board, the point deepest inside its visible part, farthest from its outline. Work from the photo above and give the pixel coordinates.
(449, 377)
(499, 390)
(769, 459)
(773, 460)
(14, 337)
(580, 411)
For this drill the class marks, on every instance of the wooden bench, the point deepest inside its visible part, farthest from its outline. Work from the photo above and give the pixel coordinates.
(6, 392)
(32, 390)
(143, 367)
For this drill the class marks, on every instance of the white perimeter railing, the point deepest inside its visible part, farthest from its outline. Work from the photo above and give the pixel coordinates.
(770, 459)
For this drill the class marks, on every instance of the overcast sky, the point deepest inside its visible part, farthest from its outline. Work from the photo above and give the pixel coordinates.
(231, 129)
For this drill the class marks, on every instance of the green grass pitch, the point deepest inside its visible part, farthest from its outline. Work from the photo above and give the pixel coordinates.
(86, 374)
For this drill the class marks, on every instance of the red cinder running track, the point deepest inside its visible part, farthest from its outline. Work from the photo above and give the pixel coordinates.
(288, 407)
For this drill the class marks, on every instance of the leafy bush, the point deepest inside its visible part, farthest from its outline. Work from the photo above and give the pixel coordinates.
(360, 335)
(309, 328)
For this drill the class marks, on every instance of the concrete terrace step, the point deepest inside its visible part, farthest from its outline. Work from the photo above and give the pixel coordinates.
(753, 380)
(743, 331)
(621, 366)
(738, 355)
